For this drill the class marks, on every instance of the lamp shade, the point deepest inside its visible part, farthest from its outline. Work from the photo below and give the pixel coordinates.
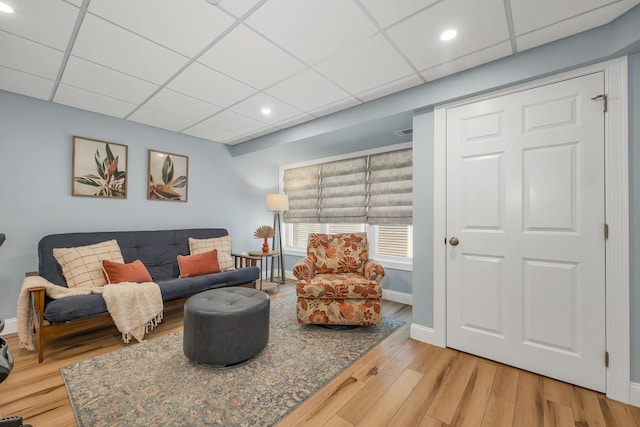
(277, 202)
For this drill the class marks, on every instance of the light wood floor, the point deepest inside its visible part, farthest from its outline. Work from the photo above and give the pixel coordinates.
(401, 382)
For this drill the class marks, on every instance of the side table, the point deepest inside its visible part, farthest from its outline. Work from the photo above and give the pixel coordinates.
(264, 260)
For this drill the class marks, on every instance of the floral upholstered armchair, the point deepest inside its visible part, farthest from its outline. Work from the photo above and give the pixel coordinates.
(337, 283)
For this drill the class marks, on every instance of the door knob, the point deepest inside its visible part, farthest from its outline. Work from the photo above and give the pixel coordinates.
(454, 241)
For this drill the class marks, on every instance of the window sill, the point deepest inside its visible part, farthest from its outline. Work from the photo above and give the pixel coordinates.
(385, 262)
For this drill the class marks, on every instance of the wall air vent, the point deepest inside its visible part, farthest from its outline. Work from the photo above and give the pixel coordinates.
(404, 132)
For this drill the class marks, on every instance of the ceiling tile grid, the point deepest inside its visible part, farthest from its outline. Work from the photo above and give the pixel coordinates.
(208, 70)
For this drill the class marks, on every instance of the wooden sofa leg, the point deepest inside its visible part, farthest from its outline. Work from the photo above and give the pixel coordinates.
(38, 305)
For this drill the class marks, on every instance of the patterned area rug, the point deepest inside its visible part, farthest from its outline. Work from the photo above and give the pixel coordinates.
(154, 383)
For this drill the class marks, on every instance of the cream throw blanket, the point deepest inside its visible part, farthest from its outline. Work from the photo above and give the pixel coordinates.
(136, 303)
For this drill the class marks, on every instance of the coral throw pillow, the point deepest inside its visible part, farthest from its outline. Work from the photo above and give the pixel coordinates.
(116, 272)
(82, 266)
(199, 265)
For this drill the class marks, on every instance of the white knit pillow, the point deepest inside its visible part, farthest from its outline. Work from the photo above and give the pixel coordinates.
(82, 266)
(221, 244)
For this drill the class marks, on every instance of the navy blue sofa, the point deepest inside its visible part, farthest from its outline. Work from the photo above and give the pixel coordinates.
(158, 250)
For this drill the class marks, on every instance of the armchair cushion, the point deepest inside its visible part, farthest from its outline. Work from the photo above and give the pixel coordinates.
(339, 286)
(338, 253)
(303, 269)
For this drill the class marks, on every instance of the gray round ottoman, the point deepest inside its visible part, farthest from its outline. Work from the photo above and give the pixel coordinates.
(225, 326)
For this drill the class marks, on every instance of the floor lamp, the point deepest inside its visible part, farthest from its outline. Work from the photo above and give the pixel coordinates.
(278, 203)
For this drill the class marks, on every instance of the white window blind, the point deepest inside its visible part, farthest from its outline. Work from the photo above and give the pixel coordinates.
(394, 240)
(373, 189)
(301, 233)
(345, 228)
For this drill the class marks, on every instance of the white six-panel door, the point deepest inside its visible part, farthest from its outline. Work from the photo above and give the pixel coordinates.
(526, 202)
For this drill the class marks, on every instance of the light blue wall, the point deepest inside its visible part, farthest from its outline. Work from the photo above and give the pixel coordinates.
(35, 172)
(423, 139)
(634, 208)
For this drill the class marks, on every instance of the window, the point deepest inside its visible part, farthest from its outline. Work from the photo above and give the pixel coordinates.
(367, 192)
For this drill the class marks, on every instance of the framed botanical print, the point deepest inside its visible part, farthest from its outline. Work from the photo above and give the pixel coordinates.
(99, 169)
(168, 176)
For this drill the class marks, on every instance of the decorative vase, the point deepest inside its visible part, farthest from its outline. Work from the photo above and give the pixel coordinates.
(265, 245)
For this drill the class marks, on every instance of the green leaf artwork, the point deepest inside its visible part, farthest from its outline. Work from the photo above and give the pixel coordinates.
(167, 166)
(107, 179)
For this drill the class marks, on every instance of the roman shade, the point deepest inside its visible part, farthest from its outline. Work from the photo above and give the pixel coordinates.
(373, 189)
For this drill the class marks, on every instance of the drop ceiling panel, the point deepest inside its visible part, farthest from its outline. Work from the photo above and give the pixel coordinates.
(28, 16)
(307, 91)
(210, 86)
(238, 7)
(479, 24)
(393, 87)
(389, 12)
(96, 78)
(532, 15)
(366, 66)
(164, 21)
(234, 122)
(209, 132)
(252, 107)
(74, 2)
(258, 63)
(312, 30)
(574, 25)
(25, 84)
(33, 58)
(468, 61)
(160, 119)
(180, 105)
(90, 101)
(106, 44)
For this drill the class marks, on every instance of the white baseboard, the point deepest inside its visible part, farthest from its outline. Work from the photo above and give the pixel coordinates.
(634, 394)
(10, 326)
(424, 334)
(395, 296)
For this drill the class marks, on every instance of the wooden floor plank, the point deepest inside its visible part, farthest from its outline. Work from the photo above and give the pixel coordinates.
(557, 415)
(388, 404)
(586, 408)
(418, 402)
(474, 400)
(337, 421)
(446, 402)
(615, 413)
(557, 391)
(499, 413)
(505, 384)
(529, 409)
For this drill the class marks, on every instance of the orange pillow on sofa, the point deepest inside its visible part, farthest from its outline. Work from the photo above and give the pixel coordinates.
(199, 265)
(116, 272)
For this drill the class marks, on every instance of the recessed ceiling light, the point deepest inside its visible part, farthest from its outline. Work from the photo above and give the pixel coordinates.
(448, 35)
(5, 8)
(266, 111)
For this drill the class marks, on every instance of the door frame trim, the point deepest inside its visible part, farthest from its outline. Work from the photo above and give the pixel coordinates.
(616, 215)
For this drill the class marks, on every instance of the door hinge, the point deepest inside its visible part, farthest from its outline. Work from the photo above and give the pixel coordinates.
(604, 98)
(606, 359)
(606, 231)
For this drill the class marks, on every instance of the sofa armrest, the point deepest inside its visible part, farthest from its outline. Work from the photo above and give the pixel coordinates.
(373, 270)
(241, 261)
(303, 269)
